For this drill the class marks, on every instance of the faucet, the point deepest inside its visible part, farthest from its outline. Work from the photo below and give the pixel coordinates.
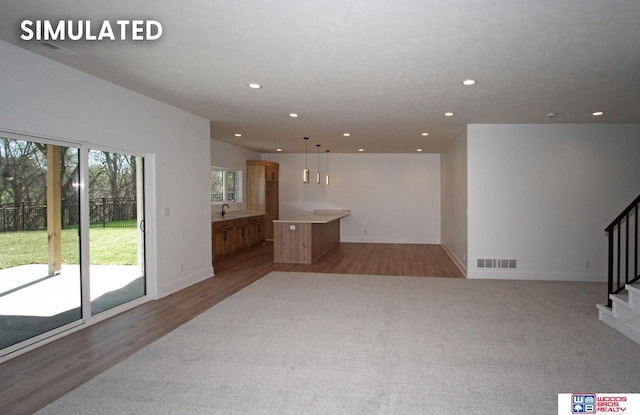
(223, 212)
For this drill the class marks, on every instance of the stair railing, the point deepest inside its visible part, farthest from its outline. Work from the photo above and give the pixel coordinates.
(623, 249)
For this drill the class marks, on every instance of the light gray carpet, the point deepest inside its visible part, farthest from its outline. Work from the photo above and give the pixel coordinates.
(300, 343)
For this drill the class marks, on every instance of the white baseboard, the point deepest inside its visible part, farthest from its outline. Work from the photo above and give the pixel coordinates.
(460, 264)
(504, 274)
(185, 282)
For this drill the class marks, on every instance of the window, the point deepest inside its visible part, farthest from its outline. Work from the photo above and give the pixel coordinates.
(225, 185)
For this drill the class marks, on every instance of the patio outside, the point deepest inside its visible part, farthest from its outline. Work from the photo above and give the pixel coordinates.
(45, 204)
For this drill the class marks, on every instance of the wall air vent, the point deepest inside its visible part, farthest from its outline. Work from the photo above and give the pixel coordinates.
(59, 49)
(497, 263)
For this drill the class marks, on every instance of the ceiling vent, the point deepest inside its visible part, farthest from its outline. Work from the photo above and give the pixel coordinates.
(59, 49)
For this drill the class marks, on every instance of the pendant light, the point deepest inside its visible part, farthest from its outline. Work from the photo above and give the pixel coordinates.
(318, 174)
(305, 173)
(327, 167)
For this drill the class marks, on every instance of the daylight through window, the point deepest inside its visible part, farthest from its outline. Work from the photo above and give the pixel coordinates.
(224, 185)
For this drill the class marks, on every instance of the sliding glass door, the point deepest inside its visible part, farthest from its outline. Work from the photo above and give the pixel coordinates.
(40, 287)
(71, 236)
(116, 233)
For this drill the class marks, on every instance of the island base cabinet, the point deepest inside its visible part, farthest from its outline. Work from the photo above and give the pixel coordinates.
(303, 243)
(291, 243)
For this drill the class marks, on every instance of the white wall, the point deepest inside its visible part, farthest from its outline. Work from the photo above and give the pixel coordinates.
(543, 194)
(454, 200)
(394, 198)
(232, 157)
(44, 98)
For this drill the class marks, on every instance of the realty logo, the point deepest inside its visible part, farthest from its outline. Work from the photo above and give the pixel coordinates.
(583, 403)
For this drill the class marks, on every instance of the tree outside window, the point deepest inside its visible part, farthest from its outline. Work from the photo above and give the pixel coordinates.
(231, 186)
(224, 185)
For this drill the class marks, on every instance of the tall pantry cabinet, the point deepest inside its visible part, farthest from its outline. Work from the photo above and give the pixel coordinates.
(262, 191)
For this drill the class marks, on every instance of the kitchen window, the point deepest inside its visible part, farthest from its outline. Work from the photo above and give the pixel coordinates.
(225, 185)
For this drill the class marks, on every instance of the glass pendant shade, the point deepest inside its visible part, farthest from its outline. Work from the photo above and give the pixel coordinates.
(305, 172)
(318, 174)
(327, 167)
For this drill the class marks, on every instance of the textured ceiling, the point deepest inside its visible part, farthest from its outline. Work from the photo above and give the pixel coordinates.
(384, 71)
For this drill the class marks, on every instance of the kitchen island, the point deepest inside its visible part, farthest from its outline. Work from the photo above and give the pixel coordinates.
(303, 239)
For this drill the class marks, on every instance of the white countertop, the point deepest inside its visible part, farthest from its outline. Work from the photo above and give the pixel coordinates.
(231, 215)
(319, 216)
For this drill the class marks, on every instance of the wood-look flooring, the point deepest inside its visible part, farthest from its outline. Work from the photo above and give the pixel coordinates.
(34, 379)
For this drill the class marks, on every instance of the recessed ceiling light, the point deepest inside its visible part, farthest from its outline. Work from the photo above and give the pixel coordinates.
(425, 134)
(419, 150)
(253, 85)
(468, 82)
(278, 149)
(597, 113)
(448, 114)
(293, 115)
(238, 135)
(346, 135)
(361, 149)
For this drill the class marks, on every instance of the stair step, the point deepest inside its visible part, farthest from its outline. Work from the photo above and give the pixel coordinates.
(633, 288)
(622, 299)
(622, 315)
(606, 310)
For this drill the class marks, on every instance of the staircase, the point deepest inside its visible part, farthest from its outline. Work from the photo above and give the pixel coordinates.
(622, 310)
(624, 313)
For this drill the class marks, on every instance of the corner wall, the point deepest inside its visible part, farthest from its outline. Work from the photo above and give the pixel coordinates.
(454, 200)
(543, 195)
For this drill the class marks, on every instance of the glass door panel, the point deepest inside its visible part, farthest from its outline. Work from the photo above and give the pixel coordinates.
(116, 232)
(40, 282)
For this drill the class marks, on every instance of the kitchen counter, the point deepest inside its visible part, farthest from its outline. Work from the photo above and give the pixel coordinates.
(305, 238)
(234, 215)
(318, 216)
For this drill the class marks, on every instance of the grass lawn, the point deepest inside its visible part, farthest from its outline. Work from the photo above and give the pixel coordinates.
(108, 246)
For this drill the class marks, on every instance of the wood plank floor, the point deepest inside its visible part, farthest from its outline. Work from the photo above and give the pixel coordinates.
(34, 379)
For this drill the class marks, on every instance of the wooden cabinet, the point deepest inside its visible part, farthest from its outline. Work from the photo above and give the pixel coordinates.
(256, 230)
(231, 235)
(223, 238)
(271, 173)
(263, 193)
(241, 235)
